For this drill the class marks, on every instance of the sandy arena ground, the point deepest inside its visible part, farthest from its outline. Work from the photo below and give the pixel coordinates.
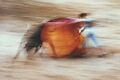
(16, 16)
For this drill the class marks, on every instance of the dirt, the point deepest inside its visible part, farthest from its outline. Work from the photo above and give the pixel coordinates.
(17, 16)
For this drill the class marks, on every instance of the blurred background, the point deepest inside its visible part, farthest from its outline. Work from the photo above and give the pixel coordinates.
(16, 16)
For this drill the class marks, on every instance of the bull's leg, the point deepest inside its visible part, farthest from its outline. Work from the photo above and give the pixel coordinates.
(79, 51)
(16, 56)
(31, 53)
(53, 49)
(18, 53)
(47, 49)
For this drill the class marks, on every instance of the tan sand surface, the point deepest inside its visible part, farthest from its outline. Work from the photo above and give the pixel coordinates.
(17, 15)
